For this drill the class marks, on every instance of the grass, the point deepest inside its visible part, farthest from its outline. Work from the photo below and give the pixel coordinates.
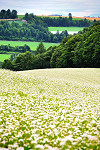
(55, 109)
(21, 16)
(19, 22)
(76, 19)
(4, 56)
(32, 45)
(65, 28)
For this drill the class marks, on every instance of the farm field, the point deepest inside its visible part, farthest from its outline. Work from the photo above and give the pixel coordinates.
(4, 56)
(75, 17)
(32, 45)
(55, 109)
(65, 28)
(70, 30)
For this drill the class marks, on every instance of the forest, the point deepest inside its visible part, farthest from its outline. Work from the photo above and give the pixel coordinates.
(29, 32)
(57, 21)
(80, 50)
(36, 28)
(8, 14)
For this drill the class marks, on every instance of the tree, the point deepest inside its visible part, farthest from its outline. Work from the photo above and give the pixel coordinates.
(14, 14)
(8, 14)
(40, 49)
(70, 16)
(7, 64)
(23, 61)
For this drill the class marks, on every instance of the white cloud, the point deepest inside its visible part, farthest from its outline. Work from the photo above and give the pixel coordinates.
(76, 7)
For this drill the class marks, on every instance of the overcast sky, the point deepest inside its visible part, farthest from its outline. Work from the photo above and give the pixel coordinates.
(48, 7)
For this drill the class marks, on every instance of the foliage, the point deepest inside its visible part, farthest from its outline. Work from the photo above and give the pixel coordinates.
(40, 49)
(8, 14)
(28, 32)
(23, 61)
(7, 64)
(4, 56)
(80, 50)
(8, 48)
(32, 45)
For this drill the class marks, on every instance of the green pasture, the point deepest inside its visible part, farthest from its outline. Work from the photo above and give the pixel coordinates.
(21, 16)
(4, 56)
(65, 28)
(76, 19)
(19, 22)
(32, 45)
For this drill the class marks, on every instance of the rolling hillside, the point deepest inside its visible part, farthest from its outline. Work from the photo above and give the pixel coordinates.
(54, 109)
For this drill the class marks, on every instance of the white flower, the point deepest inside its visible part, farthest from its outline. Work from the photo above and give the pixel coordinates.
(39, 146)
(1, 130)
(20, 148)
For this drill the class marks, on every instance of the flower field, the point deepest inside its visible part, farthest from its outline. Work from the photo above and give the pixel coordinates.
(54, 109)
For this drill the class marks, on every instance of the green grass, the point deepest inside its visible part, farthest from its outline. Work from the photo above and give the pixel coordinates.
(65, 28)
(76, 19)
(19, 22)
(21, 16)
(32, 45)
(4, 56)
(55, 109)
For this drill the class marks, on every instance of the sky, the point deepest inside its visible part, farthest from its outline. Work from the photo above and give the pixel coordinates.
(48, 7)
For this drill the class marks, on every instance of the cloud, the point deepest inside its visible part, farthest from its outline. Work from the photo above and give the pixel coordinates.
(79, 7)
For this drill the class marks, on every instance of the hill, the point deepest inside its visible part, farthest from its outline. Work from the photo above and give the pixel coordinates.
(50, 109)
(80, 50)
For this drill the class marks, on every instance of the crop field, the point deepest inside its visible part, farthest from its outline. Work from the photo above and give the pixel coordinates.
(65, 28)
(32, 45)
(21, 16)
(4, 56)
(55, 109)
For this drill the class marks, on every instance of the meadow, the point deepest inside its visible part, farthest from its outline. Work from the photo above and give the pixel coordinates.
(55, 109)
(32, 45)
(65, 28)
(4, 56)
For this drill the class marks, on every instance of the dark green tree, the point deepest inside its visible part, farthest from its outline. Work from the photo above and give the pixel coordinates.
(70, 16)
(40, 49)
(23, 61)
(7, 64)
(14, 14)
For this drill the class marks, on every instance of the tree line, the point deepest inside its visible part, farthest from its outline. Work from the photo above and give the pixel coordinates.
(80, 50)
(9, 48)
(8, 14)
(28, 32)
(57, 21)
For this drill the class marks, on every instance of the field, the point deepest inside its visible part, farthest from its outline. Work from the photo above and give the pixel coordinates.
(32, 45)
(75, 17)
(4, 56)
(65, 28)
(55, 109)
(19, 22)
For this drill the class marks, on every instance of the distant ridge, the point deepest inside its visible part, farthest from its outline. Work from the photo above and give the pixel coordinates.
(88, 18)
